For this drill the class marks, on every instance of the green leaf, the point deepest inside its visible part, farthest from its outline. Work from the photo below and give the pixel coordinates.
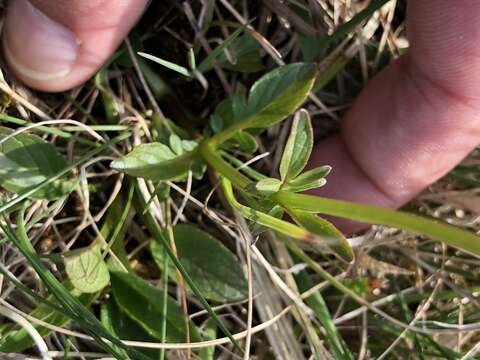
(268, 185)
(279, 93)
(210, 332)
(272, 98)
(245, 52)
(298, 148)
(305, 186)
(26, 161)
(325, 231)
(310, 179)
(162, 190)
(156, 162)
(210, 264)
(246, 142)
(69, 304)
(143, 303)
(87, 270)
(176, 144)
(123, 327)
(216, 121)
(229, 111)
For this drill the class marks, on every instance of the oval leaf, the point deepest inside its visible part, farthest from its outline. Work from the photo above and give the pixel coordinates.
(87, 270)
(210, 264)
(156, 162)
(272, 98)
(279, 93)
(26, 160)
(144, 303)
(325, 230)
(298, 148)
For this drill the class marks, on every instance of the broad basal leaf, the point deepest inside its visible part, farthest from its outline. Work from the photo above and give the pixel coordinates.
(211, 265)
(87, 270)
(325, 231)
(26, 160)
(143, 303)
(156, 162)
(298, 148)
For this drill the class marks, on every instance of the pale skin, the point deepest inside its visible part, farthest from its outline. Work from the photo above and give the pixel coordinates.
(413, 122)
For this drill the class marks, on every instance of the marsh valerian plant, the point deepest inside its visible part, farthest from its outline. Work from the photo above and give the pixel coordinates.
(235, 122)
(100, 273)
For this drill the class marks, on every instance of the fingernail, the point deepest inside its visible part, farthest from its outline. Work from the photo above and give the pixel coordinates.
(35, 46)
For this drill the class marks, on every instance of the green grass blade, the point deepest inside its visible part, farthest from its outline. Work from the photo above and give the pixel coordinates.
(208, 61)
(168, 64)
(48, 130)
(318, 305)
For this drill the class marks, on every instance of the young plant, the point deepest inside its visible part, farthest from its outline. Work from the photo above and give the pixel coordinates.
(272, 99)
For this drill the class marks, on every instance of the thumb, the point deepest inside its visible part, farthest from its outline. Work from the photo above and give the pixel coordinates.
(55, 45)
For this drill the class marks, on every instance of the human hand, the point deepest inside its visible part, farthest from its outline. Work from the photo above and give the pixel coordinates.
(414, 121)
(418, 118)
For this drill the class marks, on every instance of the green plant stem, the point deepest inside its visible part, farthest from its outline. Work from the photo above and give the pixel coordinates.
(216, 140)
(261, 218)
(240, 166)
(210, 154)
(435, 229)
(432, 228)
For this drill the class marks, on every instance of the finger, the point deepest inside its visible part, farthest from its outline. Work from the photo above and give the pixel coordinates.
(55, 45)
(418, 118)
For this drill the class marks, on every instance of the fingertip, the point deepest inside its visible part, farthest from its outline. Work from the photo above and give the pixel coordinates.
(37, 49)
(53, 47)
